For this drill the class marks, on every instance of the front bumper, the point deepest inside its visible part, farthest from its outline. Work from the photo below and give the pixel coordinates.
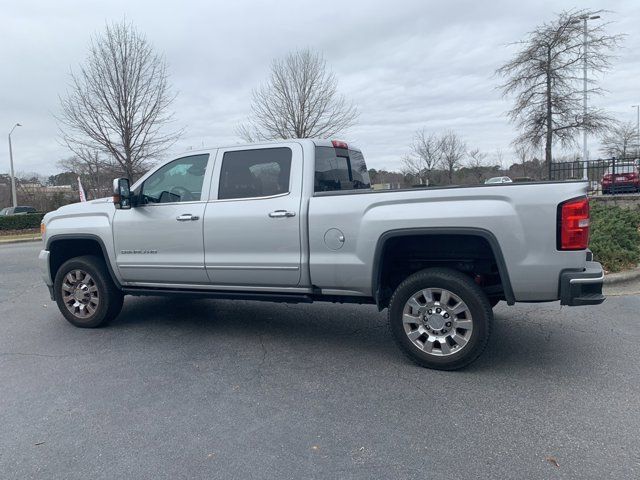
(582, 287)
(45, 270)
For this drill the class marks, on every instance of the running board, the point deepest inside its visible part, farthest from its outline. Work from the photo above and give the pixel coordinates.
(221, 294)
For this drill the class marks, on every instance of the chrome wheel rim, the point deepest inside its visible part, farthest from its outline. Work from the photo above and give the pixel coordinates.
(437, 321)
(80, 293)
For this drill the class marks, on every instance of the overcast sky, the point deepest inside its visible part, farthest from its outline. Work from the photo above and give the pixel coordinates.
(405, 64)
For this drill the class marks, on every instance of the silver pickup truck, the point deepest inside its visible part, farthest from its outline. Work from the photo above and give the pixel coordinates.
(298, 221)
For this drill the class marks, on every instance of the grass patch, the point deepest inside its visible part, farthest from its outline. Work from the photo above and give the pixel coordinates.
(615, 237)
(24, 231)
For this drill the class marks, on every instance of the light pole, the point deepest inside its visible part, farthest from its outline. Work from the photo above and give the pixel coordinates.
(14, 197)
(637, 107)
(584, 19)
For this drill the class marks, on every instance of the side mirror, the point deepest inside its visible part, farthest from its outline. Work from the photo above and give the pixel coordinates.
(121, 193)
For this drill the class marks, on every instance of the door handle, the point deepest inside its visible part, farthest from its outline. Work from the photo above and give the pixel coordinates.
(282, 214)
(185, 217)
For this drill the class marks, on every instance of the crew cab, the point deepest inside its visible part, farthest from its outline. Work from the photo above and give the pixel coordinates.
(297, 221)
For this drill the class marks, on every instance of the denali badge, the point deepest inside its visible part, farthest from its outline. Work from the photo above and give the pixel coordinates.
(126, 252)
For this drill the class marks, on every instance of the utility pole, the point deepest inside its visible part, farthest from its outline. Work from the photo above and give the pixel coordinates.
(14, 196)
(584, 19)
(637, 107)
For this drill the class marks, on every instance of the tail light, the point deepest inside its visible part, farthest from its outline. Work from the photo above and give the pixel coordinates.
(339, 144)
(573, 224)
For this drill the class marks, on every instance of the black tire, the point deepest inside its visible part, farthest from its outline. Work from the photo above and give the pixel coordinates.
(110, 297)
(461, 286)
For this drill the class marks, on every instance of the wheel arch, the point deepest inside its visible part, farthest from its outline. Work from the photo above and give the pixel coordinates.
(486, 235)
(63, 247)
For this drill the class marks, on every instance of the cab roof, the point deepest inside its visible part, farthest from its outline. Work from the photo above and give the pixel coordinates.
(318, 142)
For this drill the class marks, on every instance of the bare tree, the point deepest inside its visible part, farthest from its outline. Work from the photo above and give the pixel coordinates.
(453, 149)
(619, 140)
(412, 167)
(300, 100)
(95, 171)
(476, 163)
(545, 77)
(118, 101)
(426, 155)
(522, 154)
(500, 158)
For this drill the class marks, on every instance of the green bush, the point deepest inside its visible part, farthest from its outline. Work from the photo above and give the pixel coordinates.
(615, 238)
(21, 222)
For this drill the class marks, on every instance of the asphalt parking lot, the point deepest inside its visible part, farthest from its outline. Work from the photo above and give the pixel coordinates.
(231, 389)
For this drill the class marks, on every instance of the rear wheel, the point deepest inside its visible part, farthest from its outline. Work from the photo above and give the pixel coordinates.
(85, 292)
(440, 318)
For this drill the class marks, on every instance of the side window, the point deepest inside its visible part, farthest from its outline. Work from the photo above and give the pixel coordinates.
(344, 171)
(255, 173)
(177, 181)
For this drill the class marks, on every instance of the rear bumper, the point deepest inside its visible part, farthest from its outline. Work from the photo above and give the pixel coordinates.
(582, 287)
(620, 186)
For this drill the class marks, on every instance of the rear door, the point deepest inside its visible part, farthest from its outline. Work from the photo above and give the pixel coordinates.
(252, 223)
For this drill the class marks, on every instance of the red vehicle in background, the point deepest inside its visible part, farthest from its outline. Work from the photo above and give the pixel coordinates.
(624, 177)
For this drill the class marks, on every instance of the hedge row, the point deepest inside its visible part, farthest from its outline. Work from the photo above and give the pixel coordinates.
(21, 222)
(615, 237)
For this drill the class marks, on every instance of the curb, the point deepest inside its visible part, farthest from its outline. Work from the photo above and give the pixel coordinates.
(19, 240)
(615, 278)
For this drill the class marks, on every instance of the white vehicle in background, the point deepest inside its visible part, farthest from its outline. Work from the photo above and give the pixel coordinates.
(498, 180)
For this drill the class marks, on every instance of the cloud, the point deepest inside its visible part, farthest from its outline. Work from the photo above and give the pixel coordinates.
(406, 65)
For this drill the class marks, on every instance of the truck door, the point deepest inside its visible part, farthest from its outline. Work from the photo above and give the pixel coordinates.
(252, 223)
(159, 241)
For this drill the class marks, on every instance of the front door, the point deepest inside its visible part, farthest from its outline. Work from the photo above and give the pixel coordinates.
(159, 241)
(252, 224)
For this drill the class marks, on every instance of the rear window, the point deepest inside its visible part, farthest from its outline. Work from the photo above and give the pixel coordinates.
(24, 210)
(623, 168)
(340, 169)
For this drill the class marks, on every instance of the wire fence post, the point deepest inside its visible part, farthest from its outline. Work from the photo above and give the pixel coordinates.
(613, 175)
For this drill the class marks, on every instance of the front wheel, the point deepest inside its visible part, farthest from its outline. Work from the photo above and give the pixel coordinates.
(85, 292)
(440, 318)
